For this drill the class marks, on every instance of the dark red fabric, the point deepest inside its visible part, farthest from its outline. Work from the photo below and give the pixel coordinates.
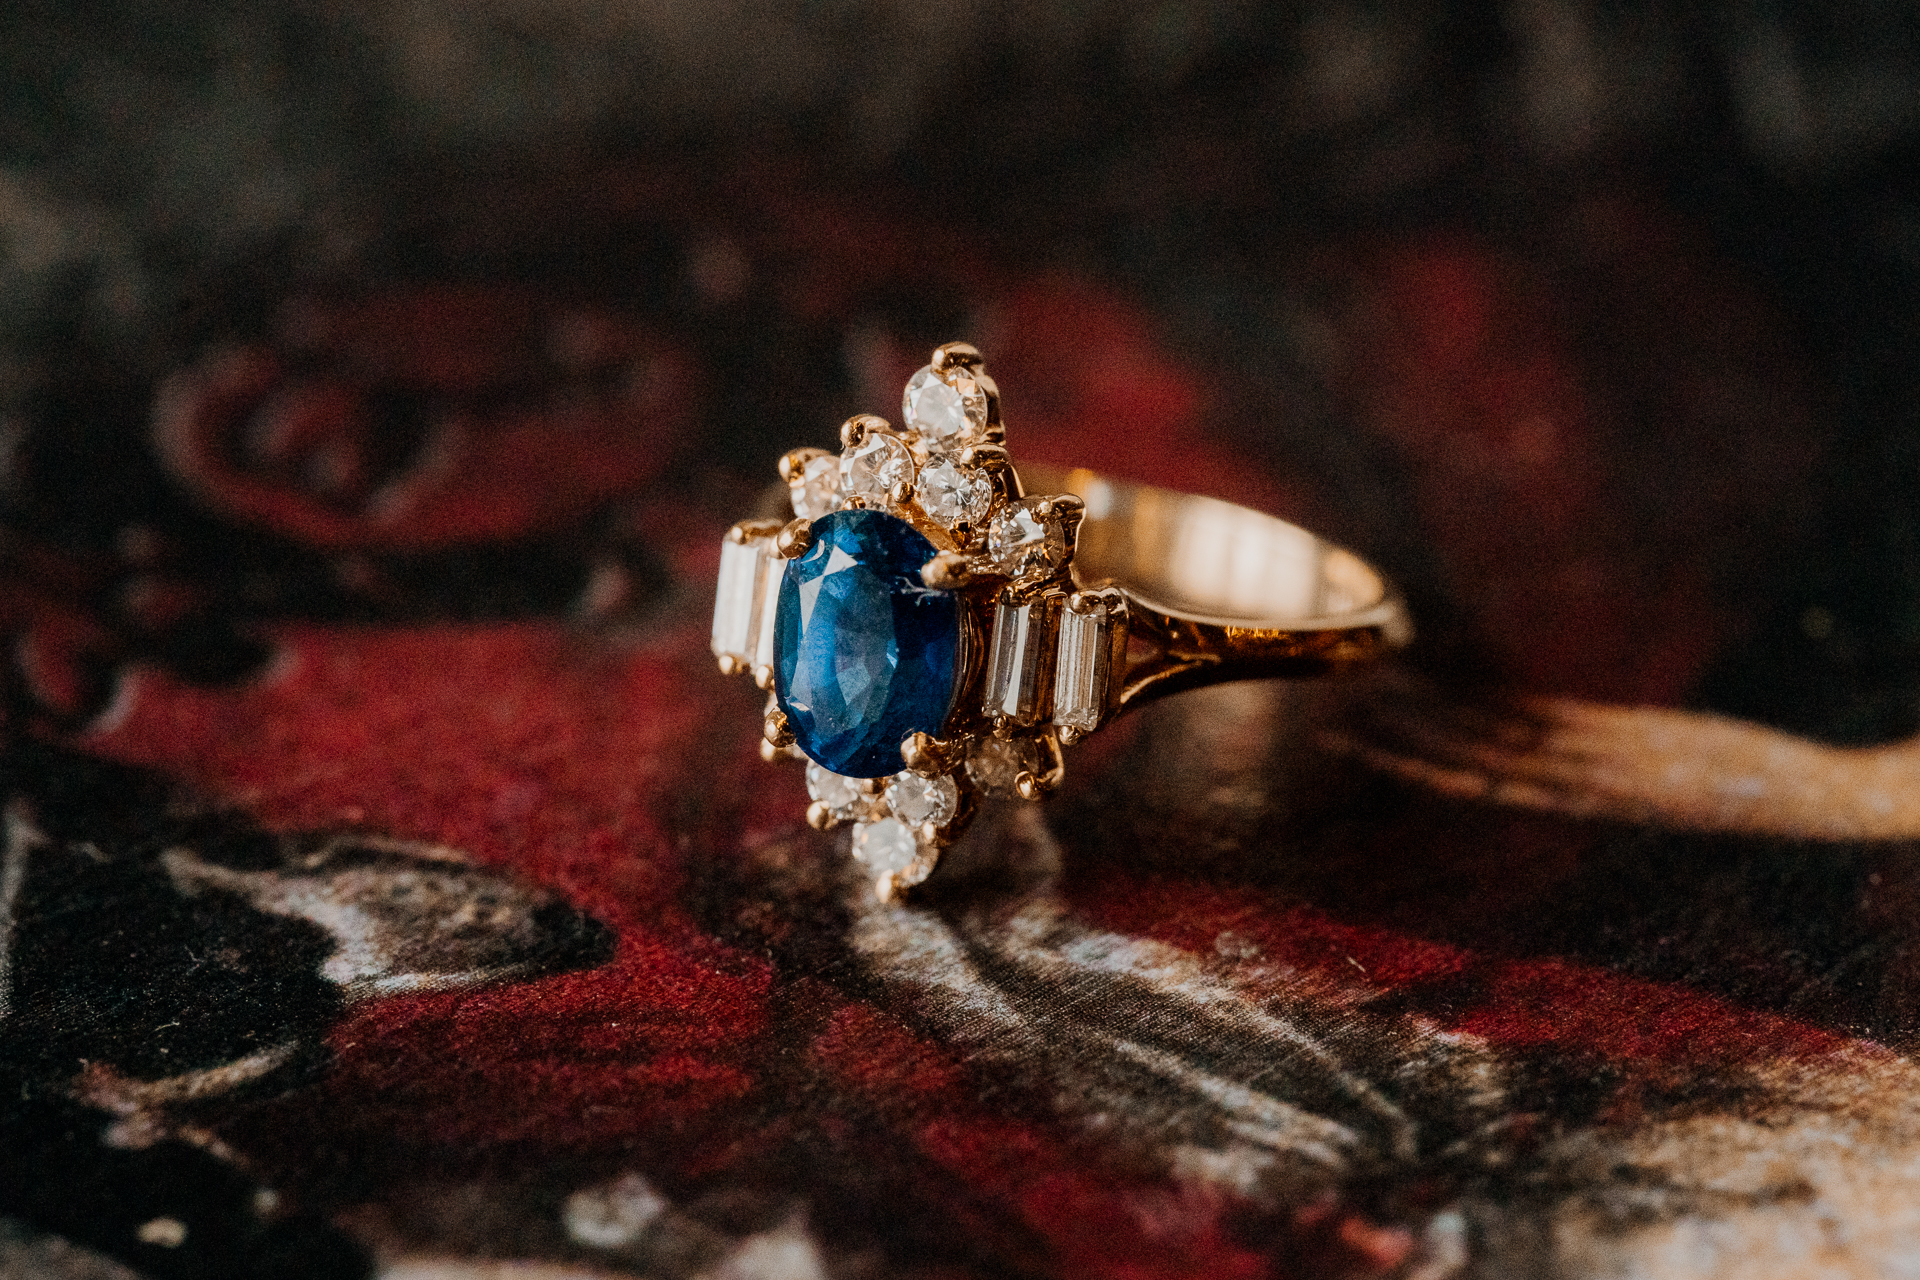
(1234, 1004)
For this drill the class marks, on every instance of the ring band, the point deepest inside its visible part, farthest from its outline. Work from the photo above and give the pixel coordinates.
(1221, 592)
(930, 633)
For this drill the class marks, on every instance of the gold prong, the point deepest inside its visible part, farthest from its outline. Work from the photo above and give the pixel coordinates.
(855, 502)
(793, 541)
(963, 355)
(987, 457)
(770, 753)
(794, 462)
(884, 887)
(1068, 506)
(763, 677)
(820, 816)
(932, 835)
(730, 665)
(855, 429)
(993, 459)
(1028, 589)
(928, 756)
(746, 530)
(948, 571)
(900, 494)
(1069, 735)
(1032, 786)
(775, 728)
(996, 431)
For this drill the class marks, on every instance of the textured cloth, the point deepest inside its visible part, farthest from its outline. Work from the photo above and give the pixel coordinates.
(391, 885)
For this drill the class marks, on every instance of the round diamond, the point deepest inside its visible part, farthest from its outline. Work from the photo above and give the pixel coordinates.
(844, 797)
(996, 765)
(871, 468)
(1017, 539)
(946, 410)
(886, 845)
(951, 493)
(916, 800)
(817, 491)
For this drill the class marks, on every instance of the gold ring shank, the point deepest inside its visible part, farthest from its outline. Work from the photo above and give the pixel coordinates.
(1219, 592)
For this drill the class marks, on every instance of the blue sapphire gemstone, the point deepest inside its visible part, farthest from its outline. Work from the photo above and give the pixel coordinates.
(864, 653)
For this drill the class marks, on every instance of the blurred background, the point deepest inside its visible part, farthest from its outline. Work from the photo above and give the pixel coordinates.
(1596, 322)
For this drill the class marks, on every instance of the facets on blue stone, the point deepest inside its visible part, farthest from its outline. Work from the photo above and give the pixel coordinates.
(864, 653)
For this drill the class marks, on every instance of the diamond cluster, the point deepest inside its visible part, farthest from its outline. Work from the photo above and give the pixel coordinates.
(895, 824)
(1047, 672)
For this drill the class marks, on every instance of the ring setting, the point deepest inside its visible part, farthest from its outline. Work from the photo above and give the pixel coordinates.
(930, 634)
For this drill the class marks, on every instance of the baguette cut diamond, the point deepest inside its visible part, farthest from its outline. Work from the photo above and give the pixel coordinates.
(1017, 659)
(737, 605)
(1083, 668)
(765, 612)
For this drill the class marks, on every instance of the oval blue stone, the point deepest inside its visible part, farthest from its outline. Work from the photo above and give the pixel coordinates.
(863, 652)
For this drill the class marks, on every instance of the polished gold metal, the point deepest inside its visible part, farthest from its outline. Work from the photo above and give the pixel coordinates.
(1147, 591)
(792, 541)
(745, 531)
(794, 462)
(994, 462)
(1217, 592)
(929, 756)
(953, 571)
(1033, 786)
(771, 752)
(855, 429)
(774, 729)
(953, 355)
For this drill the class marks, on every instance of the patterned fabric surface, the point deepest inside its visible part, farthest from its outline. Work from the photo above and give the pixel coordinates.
(390, 886)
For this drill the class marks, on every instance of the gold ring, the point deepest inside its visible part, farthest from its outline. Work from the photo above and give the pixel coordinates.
(930, 633)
